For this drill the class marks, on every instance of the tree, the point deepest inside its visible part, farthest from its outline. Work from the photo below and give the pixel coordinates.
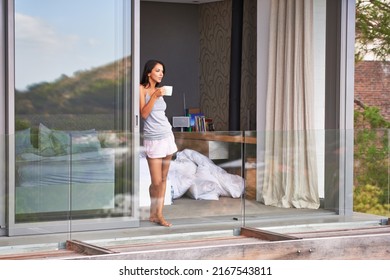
(372, 29)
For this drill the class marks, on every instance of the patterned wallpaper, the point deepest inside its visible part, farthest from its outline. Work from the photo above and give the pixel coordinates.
(215, 36)
(248, 76)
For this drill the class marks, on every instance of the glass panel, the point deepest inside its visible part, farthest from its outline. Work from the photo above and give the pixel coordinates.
(277, 178)
(372, 172)
(3, 200)
(72, 88)
(293, 184)
(204, 185)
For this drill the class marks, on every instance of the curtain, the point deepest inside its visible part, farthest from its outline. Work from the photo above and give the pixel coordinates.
(290, 175)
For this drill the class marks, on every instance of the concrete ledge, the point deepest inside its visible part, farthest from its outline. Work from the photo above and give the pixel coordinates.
(348, 244)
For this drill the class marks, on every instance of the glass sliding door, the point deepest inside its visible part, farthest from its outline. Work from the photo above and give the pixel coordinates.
(73, 142)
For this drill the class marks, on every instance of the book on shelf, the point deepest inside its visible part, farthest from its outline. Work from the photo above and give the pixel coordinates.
(209, 124)
(199, 122)
(194, 119)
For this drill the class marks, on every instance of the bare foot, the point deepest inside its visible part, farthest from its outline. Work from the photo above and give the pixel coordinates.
(160, 220)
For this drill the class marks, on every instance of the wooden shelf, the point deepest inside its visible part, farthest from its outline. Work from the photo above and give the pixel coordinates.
(216, 136)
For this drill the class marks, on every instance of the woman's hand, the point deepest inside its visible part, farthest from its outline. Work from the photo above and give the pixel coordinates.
(159, 92)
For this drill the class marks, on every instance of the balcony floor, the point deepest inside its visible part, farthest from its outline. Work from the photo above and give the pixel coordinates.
(197, 220)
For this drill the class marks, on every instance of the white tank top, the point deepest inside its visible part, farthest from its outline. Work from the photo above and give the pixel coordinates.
(156, 125)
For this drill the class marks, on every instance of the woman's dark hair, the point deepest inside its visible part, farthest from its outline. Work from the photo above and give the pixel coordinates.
(149, 65)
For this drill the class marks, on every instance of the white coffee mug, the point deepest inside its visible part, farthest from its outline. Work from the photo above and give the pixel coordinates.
(168, 90)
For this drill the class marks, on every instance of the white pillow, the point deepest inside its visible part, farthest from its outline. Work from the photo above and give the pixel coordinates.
(22, 141)
(181, 183)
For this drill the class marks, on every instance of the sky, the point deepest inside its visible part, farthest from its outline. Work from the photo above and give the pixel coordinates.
(55, 37)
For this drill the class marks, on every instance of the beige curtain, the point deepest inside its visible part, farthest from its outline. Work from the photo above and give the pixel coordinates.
(290, 178)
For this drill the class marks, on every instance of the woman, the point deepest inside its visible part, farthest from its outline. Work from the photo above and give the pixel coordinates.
(159, 141)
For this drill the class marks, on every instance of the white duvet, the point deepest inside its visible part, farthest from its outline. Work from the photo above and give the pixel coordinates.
(195, 175)
(33, 170)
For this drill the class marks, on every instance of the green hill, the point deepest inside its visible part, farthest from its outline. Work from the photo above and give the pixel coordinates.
(67, 100)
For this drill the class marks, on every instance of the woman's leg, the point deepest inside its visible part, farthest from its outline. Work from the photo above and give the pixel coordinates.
(158, 168)
(155, 165)
(160, 202)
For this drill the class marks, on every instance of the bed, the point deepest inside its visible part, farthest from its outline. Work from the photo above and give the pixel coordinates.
(67, 171)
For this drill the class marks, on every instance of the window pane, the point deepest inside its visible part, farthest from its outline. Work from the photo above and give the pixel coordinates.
(72, 63)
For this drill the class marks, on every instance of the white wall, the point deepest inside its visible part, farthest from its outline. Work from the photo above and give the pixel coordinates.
(319, 30)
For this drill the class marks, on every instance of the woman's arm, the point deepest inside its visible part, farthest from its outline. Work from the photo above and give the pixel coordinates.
(146, 108)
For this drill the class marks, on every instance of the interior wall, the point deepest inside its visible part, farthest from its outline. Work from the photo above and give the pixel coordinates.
(249, 63)
(193, 40)
(215, 41)
(215, 36)
(170, 32)
(319, 29)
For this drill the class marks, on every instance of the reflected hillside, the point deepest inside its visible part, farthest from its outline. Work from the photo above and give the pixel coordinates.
(89, 99)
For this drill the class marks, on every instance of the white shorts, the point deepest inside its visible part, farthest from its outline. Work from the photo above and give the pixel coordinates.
(160, 148)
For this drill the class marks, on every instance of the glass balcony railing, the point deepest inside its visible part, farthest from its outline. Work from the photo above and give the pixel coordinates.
(322, 172)
(372, 172)
(74, 182)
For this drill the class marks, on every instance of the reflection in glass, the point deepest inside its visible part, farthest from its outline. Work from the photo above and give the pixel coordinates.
(71, 77)
(371, 171)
